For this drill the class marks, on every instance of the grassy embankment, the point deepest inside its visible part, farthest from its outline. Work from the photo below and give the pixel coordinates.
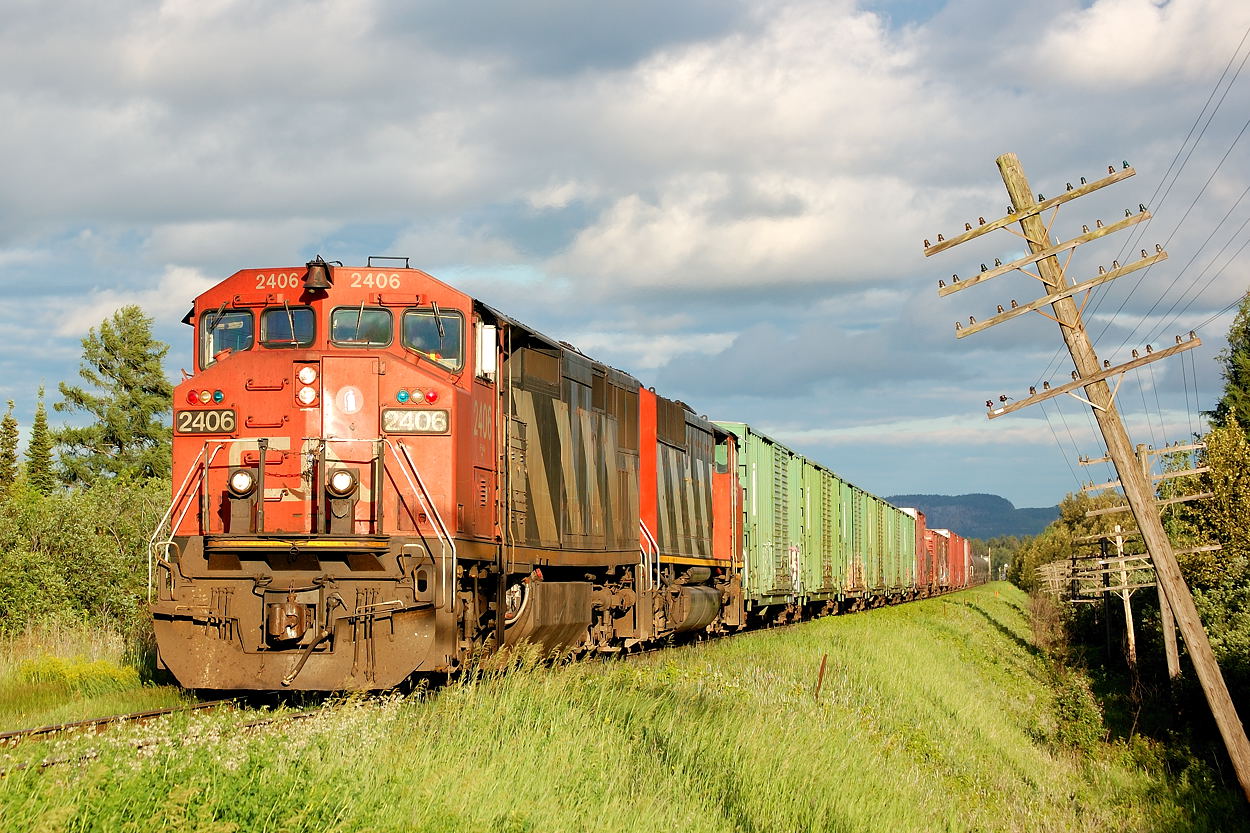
(939, 715)
(61, 673)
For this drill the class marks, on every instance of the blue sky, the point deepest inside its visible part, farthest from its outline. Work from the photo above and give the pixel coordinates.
(726, 198)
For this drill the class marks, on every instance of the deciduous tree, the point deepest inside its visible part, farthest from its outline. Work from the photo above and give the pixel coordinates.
(1235, 401)
(127, 398)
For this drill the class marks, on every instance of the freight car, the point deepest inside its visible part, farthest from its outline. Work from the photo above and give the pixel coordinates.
(376, 476)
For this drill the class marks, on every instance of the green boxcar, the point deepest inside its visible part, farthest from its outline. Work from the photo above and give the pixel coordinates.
(772, 477)
(824, 547)
(812, 537)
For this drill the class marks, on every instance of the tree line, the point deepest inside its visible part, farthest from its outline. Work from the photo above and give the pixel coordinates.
(125, 399)
(78, 503)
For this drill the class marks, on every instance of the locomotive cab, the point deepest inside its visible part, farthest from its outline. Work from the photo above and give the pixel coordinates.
(323, 450)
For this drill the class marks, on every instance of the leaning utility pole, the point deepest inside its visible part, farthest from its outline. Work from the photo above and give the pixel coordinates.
(1091, 375)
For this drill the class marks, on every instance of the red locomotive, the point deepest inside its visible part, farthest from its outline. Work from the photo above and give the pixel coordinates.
(376, 476)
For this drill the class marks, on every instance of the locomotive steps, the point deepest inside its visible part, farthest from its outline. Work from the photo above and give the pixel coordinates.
(936, 715)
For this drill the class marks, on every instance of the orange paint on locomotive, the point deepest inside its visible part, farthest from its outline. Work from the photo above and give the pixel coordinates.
(354, 386)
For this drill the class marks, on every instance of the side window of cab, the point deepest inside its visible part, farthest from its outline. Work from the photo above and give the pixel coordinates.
(224, 332)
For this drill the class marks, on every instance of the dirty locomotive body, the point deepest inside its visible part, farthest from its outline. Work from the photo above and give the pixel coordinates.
(377, 476)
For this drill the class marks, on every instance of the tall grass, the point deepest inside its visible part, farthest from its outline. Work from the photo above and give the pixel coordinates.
(60, 670)
(935, 716)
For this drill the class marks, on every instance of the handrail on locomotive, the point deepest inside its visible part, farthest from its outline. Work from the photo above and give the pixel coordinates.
(158, 544)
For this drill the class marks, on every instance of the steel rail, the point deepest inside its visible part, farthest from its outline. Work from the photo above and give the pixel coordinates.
(99, 724)
(92, 754)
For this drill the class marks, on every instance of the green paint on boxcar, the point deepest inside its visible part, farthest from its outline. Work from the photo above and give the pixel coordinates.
(810, 536)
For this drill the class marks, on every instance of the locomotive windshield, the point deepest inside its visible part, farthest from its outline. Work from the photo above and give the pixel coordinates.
(361, 326)
(435, 334)
(287, 326)
(222, 331)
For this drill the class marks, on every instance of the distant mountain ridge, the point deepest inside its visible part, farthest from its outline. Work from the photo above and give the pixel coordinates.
(978, 516)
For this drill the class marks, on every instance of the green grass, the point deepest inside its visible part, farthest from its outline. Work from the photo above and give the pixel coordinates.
(933, 716)
(61, 672)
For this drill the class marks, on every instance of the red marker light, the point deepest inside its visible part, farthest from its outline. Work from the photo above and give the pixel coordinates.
(431, 396)
(193, 397)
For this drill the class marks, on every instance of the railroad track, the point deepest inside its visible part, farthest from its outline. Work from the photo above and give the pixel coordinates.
(103, 724)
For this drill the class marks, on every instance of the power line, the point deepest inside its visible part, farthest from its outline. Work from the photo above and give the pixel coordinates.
(1062, 453)
(1134, 239)
(1196, 295)
(1179, 224)
(1098, 296)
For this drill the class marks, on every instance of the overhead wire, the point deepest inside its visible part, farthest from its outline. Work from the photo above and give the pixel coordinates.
(1179, 224)
(1062, 453)
(1170, 322)
(1189, 414)
(1146, 411)
(1154, 388)
(1198, 412)
(1097, 296)
(1134, 237)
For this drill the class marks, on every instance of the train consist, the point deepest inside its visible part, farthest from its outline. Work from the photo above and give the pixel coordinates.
(376, 476)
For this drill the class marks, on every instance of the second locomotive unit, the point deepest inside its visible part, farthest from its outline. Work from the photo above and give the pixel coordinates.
(376, 475)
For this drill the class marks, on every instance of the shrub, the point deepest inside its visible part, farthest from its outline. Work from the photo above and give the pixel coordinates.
(78, 675)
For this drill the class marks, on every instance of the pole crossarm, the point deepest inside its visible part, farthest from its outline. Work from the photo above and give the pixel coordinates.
(1111, 510)
(1105, 565)
(1044, 205)
(1042, 254)
(1085, 461)
(1167, 475)
(1175, 448)
(1194, 550)
(1105, 373)
(1108, 536)
(962, 329)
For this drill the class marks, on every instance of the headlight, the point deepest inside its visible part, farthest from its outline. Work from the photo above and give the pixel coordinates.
(306, 395)
(307, 374)
(242, 482)
(341, 483)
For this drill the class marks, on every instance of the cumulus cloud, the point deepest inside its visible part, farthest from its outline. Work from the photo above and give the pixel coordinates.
(727, 197)
(1140, 43)
(167, 298)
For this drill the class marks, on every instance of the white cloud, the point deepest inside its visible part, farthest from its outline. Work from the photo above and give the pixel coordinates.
(688, 202)
(1140, 43)
(262, 242)
(924, 432)
(168, 299)
(642, 352)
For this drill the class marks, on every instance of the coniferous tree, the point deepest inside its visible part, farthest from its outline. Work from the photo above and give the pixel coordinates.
(8, 452)
(39, 450)
(127, 398)
(1235, 358)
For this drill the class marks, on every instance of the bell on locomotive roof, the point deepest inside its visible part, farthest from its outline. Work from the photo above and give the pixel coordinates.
(318, 275)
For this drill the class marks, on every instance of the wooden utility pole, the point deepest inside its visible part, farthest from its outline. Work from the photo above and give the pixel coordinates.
(1167, 622)
(1144, 454)
(1126, 596)
(1091, 375)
